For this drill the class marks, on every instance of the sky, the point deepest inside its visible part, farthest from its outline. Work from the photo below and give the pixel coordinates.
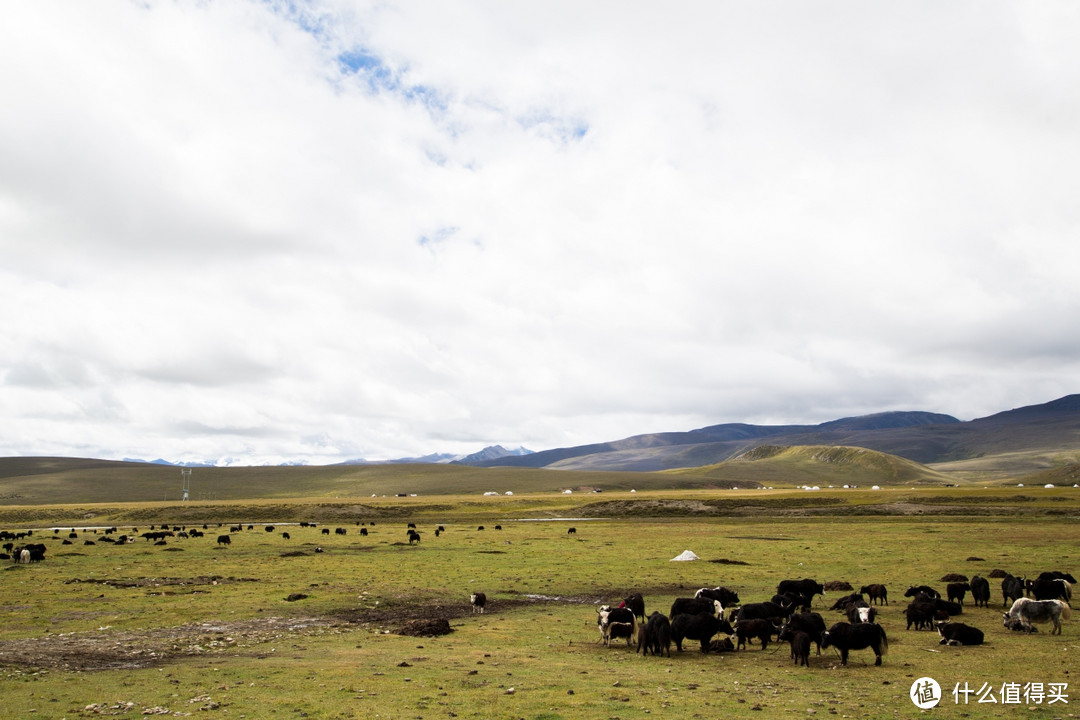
(253, 232)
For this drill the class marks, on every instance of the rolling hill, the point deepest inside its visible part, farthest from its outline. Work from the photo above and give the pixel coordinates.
(1036, 445)
(818, 465)
(1015, 442)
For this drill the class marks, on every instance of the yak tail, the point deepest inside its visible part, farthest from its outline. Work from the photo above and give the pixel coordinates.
(1066, 611)
(884, 641)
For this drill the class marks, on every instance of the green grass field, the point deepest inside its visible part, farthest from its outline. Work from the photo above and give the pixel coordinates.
(189, 627)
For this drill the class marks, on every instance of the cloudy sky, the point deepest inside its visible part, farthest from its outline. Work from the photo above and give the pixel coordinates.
(256, 232)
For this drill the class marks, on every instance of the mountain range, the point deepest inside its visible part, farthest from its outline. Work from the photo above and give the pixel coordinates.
(490, 453)
(1026, 439)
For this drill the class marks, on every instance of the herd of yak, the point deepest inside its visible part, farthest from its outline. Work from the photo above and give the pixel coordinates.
(788, 616)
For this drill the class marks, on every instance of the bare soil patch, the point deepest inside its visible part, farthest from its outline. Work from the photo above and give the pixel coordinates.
(109, 649)
(162, 581)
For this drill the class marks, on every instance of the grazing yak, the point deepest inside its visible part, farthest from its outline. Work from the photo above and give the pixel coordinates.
(764, 611)
(1026, 611)
(1012, 589)
(916, 590)
(478, 601)
(224, 540)
(797, 601)
(957, 591)
(864, 614)
(980, 591)
(1057, 575)
(846, 637)
(806, 587)
(701, 627)
(636, 603)
(841, 604)
(694, 606)
(617, 623)
(800, 644)
(749, 629)
(923, 615)
(1049, 589)
(727, 598)
(878, 593)
(36, 553)
(954, 633)
(810, 623)
(654, 636)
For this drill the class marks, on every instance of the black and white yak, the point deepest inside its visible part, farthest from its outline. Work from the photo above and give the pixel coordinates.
(954, 633)
(694, 606)
(616, 623)
(727, 597)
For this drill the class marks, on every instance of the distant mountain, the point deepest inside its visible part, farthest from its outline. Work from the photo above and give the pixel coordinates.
(704, 446)
(1036, 436)
(429, 458)
(161, 461)
(492, 453)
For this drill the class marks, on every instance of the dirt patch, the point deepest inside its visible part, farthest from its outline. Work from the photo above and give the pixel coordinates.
(109, 649)
(130, 649)
(426, 628)
(162, 581)
(645, 508)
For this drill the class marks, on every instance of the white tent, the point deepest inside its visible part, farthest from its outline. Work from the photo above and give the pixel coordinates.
(685, 556)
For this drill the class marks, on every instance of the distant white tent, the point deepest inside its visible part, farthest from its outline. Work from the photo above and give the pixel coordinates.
(685, 556)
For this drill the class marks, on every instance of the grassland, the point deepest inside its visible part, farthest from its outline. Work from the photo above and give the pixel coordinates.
(67, 481)
(191, 627)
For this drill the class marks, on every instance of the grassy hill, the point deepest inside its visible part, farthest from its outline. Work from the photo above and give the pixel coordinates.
(818, 465)
(51, 481)
(994, 448)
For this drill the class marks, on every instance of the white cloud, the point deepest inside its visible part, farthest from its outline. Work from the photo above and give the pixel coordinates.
(327, 230)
